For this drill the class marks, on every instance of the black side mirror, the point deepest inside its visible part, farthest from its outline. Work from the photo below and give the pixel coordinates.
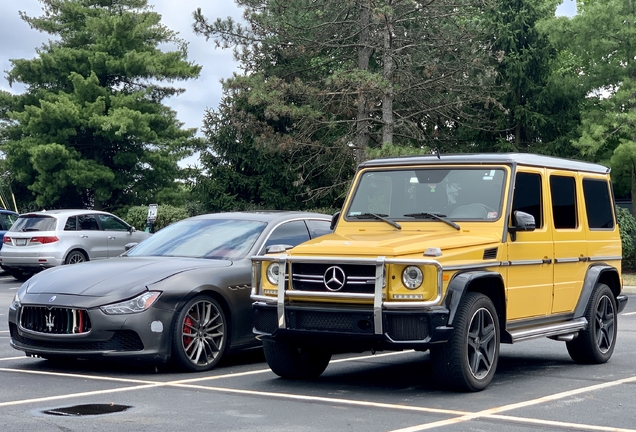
(129, 246)
(521, 221)
(334, 220)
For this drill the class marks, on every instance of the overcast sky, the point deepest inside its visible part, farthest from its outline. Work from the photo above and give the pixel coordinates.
(18, 40)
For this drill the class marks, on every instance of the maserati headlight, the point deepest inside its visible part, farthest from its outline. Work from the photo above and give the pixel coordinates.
(412, 277)
(15, 304)
(138, 304)
(272, 273)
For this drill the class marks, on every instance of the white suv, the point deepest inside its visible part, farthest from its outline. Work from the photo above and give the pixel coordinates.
(40, 240)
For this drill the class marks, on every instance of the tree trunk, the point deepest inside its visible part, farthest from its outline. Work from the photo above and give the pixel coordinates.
(387, 101)
(364, 54)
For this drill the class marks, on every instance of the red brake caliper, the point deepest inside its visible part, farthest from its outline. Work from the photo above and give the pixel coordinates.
(187, 328)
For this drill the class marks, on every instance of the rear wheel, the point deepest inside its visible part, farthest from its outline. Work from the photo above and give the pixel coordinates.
(289, 361)
(75, 257)
(199, 339)
(467, 362)
(596, 343)
(20, 275)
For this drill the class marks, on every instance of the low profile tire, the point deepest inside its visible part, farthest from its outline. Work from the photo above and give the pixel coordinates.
(21, 275)
(292, 362)
(200, 335)
(467, 362)
(596, 343)
(75, 257)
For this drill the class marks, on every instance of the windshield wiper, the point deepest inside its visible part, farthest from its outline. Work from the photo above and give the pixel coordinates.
(380, 216)
(29, 229)
(436, 216)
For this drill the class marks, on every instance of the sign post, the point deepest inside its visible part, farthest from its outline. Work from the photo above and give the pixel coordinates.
(152, 217)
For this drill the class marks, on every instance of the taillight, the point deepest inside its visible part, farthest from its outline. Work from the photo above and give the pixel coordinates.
(6, 239)
(44, 240)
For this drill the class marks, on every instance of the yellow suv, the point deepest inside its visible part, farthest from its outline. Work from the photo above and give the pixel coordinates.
(454, 254)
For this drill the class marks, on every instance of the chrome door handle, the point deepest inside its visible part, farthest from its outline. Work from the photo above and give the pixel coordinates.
(111, 237)
(83, 236)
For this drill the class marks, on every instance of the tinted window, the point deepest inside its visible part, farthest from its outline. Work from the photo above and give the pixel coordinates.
(34, 223)
(71, 224)
(563, 191)
(7, 220)
(87, 223)
(527, 197)
(202, 238)
(598, 203)
(289, 233)
(319, 227)
(111, 223)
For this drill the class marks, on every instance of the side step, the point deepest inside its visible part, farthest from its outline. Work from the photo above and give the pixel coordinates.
(548, 330)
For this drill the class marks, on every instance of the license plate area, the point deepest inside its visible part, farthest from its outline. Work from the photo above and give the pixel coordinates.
(20, 242)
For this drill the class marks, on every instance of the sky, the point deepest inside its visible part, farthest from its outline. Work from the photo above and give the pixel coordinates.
(18, 40)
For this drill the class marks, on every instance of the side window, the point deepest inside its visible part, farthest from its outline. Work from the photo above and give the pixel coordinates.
(319, 227)
(7, 220)
(528, 196)
(563, 191)
(598, 203)
(289, 233)
(111, 223)
(71, 224)
(87, 223)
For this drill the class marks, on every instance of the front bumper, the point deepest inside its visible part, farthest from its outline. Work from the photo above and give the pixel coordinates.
(142, 336)
(352, 328)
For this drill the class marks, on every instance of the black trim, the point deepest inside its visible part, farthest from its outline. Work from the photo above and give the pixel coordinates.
(591, 279)
(457, 288)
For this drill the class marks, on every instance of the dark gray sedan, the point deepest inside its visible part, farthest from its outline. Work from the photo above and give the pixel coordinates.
(182, 295)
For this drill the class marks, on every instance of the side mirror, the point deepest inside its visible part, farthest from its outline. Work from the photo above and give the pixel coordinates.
(129, 246)
(521, 221)
(277, 248)
(334, 220)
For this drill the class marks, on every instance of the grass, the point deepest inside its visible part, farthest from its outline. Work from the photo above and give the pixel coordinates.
(629, 279)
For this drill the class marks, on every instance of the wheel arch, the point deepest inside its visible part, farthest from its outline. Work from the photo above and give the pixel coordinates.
(77, 249)
(489, 283)
(597, 273)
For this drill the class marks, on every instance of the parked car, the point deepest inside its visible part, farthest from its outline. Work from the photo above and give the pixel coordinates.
(181, 295)
(45, 239)
(7, 219)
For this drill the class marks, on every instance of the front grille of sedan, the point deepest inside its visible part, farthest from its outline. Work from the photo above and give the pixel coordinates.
(359, 279)
(122, 340)
(55, 320)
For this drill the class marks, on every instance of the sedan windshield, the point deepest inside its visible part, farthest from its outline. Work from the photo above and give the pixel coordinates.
(429, 194)
(202, 238)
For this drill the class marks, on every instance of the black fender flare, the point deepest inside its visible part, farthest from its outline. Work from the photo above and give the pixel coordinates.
(458, 287)
(592, 276)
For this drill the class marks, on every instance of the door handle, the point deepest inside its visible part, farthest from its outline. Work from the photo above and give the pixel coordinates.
(111, 237)
(83, 236)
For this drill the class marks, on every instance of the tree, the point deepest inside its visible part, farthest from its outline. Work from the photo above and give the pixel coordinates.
(90, 129)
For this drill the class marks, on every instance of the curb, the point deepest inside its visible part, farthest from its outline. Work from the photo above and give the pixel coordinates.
(627, 289)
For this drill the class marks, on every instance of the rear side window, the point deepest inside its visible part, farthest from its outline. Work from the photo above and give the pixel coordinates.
(319, 227)
(87, 223)
(289, 233)
(598, 204)
(71, 224)
(563, 190)
(34, 223)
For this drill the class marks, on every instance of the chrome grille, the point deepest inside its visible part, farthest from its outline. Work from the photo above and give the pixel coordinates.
(55, 320)
(359, 279)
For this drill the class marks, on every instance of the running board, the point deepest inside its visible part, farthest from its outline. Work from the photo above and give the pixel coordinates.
(548, 330)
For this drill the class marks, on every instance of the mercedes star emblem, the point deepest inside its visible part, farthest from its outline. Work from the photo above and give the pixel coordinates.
(334, 278)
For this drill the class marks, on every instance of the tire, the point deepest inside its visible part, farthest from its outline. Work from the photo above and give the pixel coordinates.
(75, 257)
(596, 343)
(468, 360)
(21, 275)
(292, 362)
(199, 337)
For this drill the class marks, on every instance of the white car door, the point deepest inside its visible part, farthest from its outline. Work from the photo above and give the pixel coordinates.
(94, 240)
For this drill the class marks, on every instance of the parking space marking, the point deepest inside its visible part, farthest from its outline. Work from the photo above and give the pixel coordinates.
(503, 408)
(628, 313)
(12, 358)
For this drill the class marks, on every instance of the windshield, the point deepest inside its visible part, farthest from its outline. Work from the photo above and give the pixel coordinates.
(34, 223)
(429, 194)
(202, 238)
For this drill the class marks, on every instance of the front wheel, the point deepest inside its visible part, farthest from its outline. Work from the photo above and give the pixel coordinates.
(199, 339)
(596, 343)
(293, 362)
(468, 360)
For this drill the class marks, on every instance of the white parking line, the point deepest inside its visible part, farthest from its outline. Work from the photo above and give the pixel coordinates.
(12, 358)
(629, 313)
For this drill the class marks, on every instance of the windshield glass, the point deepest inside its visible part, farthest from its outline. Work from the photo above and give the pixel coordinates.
(428, 194)
(34, 223)
(202, 238)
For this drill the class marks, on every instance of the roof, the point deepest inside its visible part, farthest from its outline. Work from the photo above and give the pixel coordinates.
(65, 212)
(489, 158)
(264, 216)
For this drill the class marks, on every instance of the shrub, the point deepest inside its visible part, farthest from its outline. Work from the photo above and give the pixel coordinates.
(166, 214)
(627, 228)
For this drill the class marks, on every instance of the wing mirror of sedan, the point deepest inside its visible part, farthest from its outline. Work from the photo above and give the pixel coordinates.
(277, 248)
(334, 220)
(521, 221)
(129, 246)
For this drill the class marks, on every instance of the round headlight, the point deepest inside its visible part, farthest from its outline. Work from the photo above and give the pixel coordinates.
(412, 277)
(272, 273)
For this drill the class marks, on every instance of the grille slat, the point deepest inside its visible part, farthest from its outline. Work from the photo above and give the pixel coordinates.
(55, 320)
(359, 279)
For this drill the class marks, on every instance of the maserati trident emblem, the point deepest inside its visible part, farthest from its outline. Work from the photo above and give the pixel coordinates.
(334, 278)
(52, 299)
(50, 321)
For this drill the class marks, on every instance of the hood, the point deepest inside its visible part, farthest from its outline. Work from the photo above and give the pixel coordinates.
(120, 276)
(392, 244)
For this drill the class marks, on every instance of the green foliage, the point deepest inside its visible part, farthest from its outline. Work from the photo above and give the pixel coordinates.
(166, 214)
(90, 130)
(627, 227)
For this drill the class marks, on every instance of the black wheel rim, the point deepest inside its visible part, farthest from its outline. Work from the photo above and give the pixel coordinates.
(481, 343)
(202, 333)
(604, 324)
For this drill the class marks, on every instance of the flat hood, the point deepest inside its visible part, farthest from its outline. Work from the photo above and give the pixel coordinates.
(122, 276)
(392, 244)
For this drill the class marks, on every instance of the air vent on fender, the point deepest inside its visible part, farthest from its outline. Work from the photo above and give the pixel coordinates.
(490, 253)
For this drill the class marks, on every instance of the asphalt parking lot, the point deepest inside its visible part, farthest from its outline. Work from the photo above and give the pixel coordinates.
(537, 387)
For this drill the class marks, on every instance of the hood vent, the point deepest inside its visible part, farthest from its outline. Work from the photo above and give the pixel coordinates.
(490, 253)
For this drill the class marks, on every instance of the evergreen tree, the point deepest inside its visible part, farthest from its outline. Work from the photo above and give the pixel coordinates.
(90, 129)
